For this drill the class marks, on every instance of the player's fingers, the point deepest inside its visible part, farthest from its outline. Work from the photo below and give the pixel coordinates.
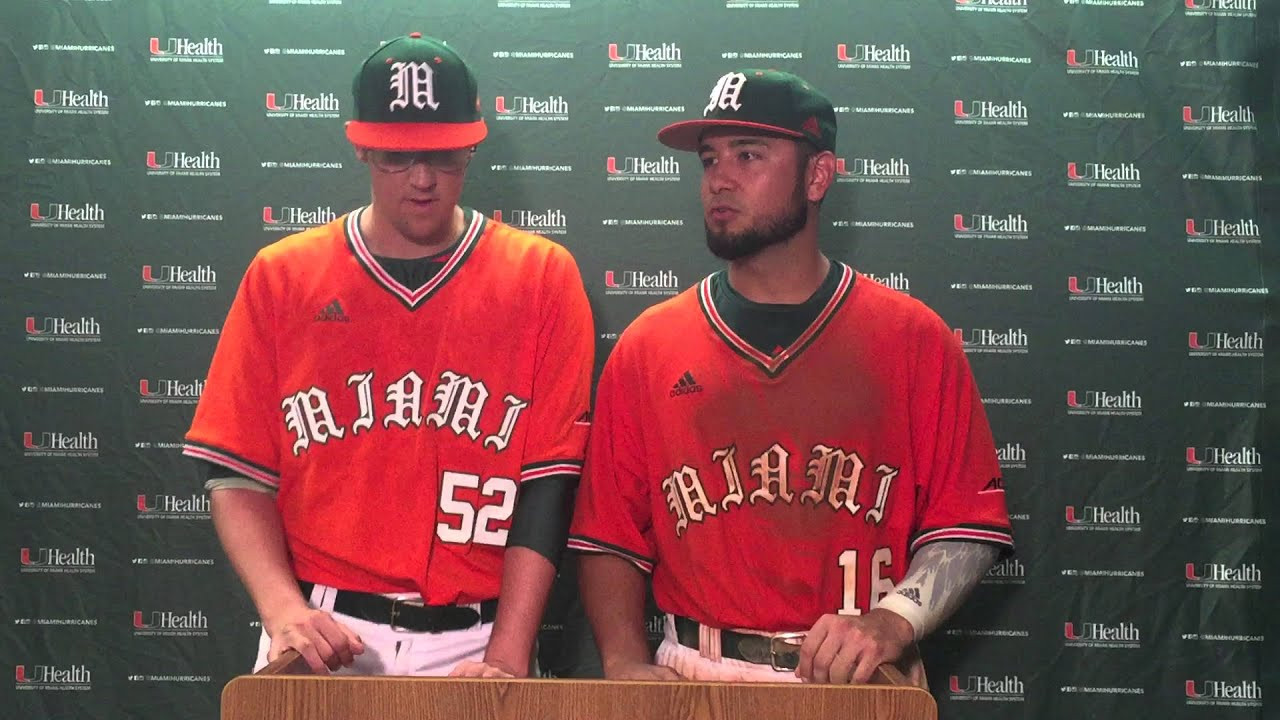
(353, 639)
(493, 672)
(339, 637)
(842, 665)
(304, 647)
(809, 648)
(316, 642)
(867, 665)
(466, 668)
(821, 670)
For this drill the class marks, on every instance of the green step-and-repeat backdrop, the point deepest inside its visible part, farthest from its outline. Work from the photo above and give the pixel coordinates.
(1076, 186)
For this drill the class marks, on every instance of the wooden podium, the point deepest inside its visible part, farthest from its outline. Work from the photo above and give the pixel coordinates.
(284, 691)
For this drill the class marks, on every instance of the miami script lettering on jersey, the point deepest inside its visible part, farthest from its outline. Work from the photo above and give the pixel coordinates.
(835, 476)
(459, 401)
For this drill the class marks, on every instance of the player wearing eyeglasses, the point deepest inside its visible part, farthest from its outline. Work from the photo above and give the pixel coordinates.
(395, 416)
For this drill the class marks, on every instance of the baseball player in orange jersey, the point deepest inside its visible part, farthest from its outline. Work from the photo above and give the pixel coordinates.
(397, 409)
(798, 455)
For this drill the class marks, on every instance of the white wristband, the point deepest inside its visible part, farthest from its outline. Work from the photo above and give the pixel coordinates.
(911, 612)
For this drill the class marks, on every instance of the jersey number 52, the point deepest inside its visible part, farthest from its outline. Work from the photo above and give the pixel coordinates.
(469, 524)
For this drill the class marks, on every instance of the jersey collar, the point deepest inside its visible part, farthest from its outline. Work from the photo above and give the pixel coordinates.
(773, 365)
(411, 299)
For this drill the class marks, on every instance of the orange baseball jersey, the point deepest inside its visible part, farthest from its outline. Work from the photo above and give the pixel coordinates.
(398, 424)
(765, 491)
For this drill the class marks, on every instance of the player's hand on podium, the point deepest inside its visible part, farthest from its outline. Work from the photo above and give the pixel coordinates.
(640, 671)
(844, 649)
(323, 642)
(486, 669)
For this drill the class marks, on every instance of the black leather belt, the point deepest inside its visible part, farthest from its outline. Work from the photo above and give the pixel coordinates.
(780, 651)
(408, 614)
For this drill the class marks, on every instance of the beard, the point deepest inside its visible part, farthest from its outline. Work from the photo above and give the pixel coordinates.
(773, 230)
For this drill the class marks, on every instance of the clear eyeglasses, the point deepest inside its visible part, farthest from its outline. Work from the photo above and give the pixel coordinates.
(398, 161)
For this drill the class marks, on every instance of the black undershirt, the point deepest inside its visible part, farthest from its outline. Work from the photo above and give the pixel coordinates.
(413, 273)
(771, 327)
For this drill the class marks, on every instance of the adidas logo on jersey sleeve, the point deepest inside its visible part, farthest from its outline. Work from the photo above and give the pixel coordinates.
(332, 313)
(686, 385)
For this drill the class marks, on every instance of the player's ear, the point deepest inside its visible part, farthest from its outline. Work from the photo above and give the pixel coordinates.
(819, 175)
(362, 154)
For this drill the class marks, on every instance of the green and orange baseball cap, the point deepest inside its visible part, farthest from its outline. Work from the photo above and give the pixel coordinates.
(415, 93)
(769, 100)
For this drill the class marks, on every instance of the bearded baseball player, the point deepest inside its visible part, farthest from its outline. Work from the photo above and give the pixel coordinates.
(797, 455)
(397, 410)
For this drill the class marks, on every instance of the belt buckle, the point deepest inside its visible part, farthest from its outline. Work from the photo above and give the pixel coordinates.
(395, 611)
(785, 644)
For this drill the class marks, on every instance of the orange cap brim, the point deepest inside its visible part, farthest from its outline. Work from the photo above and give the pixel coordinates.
(416, 136)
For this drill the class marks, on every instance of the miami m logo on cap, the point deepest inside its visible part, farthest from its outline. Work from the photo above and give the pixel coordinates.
(725, 94)
(414, 84)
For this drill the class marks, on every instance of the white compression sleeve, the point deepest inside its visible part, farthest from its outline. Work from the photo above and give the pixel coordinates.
(940, 577)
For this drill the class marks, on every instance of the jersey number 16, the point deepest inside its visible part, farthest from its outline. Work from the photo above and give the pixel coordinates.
(879, 584)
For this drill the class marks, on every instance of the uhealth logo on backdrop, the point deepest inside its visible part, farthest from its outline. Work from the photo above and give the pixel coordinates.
(551, 221)
(869, 56)
(59, 444)
(1103, 175)
(1093, 61)
(1101, 635)
(1218, 117)
(981, 226)
(641, 55)
(71, 102)
(995, 6)
(186, 50)
(204, 163)
(1104, 289)
(174, 507)
(1224, 693)
(1010, 571)
(892, 280)
(1125, 518)
(89, 216)
(1220, 576)
(179, 277)
(1009, 688)
(288, 218)
(1012, 456)
(1224, 344)
(1237, 231)
(303, 105)
(1209, 458)
(53, 328)
(992, 340)
(523, 107)
(990, 112)
(170, 623)
(169, 392)
(641, 169)
(638, 282)
(870, 170)
(1220, 8)
(76, 561)
(1103, 402)
(52, 677)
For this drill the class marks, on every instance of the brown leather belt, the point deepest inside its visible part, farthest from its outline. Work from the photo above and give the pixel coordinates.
(408, 614)
(780, 651)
